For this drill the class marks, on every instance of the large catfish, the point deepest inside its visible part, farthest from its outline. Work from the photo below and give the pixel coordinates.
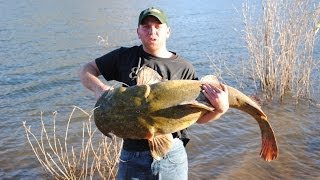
(153, 110)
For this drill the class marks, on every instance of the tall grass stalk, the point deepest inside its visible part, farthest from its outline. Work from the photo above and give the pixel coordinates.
(280, 40)
(94, 156)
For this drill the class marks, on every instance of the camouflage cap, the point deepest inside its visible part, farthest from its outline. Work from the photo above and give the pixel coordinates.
(152, 11)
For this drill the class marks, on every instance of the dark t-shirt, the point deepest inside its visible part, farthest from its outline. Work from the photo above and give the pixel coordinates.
(122, 64)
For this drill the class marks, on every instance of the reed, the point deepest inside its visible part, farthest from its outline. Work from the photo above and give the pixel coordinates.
(94, 156)
(280, 40)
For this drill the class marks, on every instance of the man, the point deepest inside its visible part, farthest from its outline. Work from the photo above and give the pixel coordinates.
(122, 64)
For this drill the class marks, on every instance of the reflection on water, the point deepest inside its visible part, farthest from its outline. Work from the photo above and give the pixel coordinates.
(43, 44)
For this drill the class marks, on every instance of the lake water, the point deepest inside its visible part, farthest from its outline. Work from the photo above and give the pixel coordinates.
(43, 44)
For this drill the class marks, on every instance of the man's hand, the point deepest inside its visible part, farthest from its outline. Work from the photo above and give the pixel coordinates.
(101, 90)
(218, 99)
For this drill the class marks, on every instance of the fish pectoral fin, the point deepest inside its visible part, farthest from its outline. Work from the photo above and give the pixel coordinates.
(197, 104)
(107, 134)
(147, 75)
(160, 145)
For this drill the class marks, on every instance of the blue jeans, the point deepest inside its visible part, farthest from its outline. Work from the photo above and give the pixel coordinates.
(141, 165)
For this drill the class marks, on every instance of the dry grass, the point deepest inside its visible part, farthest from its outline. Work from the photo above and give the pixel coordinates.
(280, 39)
(94, 156)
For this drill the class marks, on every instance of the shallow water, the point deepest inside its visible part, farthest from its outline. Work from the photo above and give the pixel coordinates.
(230, 146)
(43, 44)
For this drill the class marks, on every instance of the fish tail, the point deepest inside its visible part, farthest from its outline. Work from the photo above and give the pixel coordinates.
(238, 100)
(160, 145)
(269, 149)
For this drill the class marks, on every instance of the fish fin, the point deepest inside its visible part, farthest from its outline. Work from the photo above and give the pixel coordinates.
(147, 75)
(256, 99)
(106, 134)
(269, 148)
(210, 78)
(109, 135)
(160, 145)
(197, 104)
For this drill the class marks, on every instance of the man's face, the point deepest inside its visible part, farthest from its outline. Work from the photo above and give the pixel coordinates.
(153, 34)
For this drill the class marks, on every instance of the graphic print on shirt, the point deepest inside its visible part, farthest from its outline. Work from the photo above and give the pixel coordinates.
(134, 71)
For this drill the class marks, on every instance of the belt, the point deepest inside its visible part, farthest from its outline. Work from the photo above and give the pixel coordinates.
(139, 144)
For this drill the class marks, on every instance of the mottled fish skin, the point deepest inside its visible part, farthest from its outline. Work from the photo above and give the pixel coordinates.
(154, 111)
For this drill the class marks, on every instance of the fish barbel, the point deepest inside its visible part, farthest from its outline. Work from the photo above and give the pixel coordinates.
(153, 110)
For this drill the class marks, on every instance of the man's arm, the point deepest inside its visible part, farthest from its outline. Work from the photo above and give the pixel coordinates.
(88, 74)
(218, 99)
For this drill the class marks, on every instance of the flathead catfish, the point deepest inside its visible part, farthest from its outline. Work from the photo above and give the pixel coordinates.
(153, 109)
